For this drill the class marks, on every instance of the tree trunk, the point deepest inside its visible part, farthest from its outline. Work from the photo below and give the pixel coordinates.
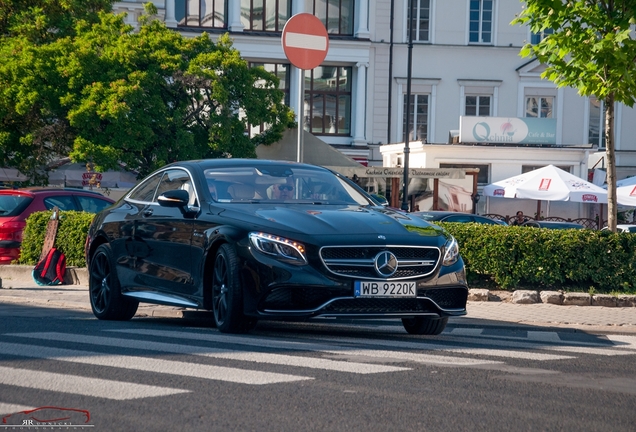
(612, 205)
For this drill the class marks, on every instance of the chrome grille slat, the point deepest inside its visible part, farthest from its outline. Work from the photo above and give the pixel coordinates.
(359, 261)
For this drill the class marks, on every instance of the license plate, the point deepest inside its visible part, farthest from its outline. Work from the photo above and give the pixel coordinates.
(384, 289)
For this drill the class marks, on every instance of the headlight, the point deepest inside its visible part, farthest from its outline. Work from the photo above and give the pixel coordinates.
(279, 247)
(451, 254)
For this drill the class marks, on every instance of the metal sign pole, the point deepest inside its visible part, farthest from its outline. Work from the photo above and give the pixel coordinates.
(301, 113)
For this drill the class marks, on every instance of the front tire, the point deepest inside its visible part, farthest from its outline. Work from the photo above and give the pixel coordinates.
(227, 295)
(424, 325)
(104, 290)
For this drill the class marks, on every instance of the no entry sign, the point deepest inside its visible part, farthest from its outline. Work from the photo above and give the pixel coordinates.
(305, 41)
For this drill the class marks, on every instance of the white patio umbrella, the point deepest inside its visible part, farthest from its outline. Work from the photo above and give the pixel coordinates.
(626, 195)
(549, 183)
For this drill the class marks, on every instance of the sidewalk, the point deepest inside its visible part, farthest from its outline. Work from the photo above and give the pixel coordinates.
(19, 288)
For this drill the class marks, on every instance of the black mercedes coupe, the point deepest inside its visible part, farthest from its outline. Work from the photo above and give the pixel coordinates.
(254, 239)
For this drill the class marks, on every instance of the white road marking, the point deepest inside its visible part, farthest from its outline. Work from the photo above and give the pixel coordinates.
(543, 336)
(305, 41)
(147, 364)
(7, 408)
(81, 385)
(459, 331)
(327, 348)
(257, 357)
(425, 345)
(623, 341)
(599, 350)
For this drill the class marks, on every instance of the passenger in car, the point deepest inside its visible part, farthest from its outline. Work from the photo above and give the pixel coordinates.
(283, 191)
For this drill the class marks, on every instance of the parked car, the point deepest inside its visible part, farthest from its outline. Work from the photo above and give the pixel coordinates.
(552, 225)
(211, 235)
(449, 216)
(624, 228)
(17, 204)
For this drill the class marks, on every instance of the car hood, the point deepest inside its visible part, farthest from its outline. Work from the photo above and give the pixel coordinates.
(321, 220)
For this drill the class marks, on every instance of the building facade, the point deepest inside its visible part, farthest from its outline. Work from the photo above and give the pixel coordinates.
(465, 63)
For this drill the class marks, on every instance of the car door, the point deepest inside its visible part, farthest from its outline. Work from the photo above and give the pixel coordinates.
(165, 235)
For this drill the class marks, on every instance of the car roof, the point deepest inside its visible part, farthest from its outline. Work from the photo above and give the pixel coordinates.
(231, 162)
(36, 190)
(553, 224)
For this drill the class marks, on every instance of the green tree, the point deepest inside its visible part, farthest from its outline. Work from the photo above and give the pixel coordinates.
(591, 49)
(110, 95)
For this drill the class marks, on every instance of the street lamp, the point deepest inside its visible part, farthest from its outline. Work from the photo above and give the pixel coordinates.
(407, 151)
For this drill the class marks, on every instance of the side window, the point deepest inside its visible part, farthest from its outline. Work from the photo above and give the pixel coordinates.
(176, 179)
(92, 205)
(63, 202)
(146, 190)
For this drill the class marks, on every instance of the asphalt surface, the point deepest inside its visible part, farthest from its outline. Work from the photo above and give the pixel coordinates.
(19, 288)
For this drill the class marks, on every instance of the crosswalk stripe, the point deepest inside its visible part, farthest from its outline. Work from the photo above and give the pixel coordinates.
(257, 357)
(623, 341)
(218, 373)
(447, 348)
(7, 408)
(328, 348)
(600, 350)
(415, 357)
(543, 336)
(81, 385)
(461, 331)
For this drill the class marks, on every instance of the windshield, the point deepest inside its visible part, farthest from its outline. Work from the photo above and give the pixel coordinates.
(13, 205)
(280, 183)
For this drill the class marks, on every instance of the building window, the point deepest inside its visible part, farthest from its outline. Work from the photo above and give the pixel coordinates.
(483, 175)
(596, 128)
(282, 71)
(535, 38)
(337, 15)
(201, 13)
(328, 100)
(480, 21)
(265, 15)
(539, 106)
(419, 22)
(477, 106)
(418, 111)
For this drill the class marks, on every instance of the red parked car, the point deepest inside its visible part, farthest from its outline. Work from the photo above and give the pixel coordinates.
(17, 204)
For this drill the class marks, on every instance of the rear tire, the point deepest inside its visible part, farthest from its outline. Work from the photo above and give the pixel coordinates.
(227, 294)
(424, 325)
(104, 290)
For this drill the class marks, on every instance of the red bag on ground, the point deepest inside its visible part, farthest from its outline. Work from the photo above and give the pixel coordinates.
(50, 270)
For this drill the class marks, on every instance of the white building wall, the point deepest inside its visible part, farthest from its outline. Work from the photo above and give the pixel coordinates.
(443, 66)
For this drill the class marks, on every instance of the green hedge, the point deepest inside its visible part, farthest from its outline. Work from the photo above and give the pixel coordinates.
(70, 239)
(522, 257)
(495, 256)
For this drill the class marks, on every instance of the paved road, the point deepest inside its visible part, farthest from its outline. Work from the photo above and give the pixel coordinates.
(162, 373)
(585, 318)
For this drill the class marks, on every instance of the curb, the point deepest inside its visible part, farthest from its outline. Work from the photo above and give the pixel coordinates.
(79, 276)
(551, 297)
(23, 274)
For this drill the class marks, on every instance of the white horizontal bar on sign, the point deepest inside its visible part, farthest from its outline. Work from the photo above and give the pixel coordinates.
(305, 41)
(81, 385)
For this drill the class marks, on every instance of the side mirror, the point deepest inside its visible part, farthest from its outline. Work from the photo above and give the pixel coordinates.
(174, 198)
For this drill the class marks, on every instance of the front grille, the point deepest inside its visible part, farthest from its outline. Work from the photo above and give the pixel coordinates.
(359, 261)
(447, 298)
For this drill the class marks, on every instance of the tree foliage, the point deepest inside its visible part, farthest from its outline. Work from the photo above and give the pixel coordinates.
(592, 49)
(111, 95)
